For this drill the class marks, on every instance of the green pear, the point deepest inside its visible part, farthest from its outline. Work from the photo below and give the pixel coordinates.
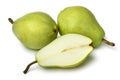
(35, 30)
(78, 19)
(66, 51)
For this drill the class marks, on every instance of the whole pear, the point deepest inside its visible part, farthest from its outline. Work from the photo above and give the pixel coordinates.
(35, 30)
(78, 19)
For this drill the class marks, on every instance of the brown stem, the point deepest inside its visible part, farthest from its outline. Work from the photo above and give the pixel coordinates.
(91, 44)
(10, 20)
(107, 42)
(28, 66)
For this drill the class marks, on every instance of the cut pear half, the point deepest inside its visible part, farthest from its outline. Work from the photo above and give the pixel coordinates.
(66, 51)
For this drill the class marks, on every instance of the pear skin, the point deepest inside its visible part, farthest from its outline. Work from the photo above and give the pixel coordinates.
(80, 20)
(35, 30)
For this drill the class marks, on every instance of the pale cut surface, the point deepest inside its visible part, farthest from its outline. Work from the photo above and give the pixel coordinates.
(66, 51)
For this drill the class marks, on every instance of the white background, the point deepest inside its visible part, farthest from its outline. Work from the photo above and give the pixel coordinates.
(102, 64)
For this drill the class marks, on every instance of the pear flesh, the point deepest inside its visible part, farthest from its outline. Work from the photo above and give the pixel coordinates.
(35, 30)
(66, 51)
(80, 20)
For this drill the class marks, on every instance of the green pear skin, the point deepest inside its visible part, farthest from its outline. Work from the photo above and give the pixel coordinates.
(35, 30)
(78, 19)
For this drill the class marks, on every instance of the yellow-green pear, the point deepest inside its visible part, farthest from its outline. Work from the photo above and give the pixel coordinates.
(35, 30)
(66, 51)
(78, 19)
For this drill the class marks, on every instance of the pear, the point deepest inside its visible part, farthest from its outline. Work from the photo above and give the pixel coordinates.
(78, 19)
(66, 51)
(35, 30)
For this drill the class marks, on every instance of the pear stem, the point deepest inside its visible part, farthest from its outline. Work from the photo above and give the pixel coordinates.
(28, 66)
(108, 42)
(91, 45)
(10, 20)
